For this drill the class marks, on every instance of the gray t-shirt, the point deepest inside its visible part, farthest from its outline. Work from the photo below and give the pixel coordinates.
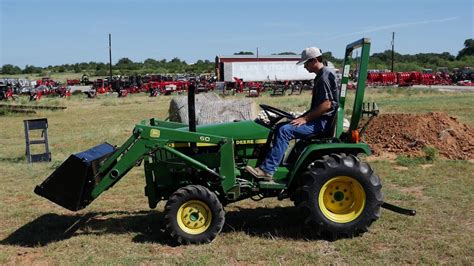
(325, 88)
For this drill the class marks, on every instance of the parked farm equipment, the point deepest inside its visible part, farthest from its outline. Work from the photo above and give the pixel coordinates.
(36, 93)
(200, 169)
(404, 79)
(48, 82)
(73, 82)
(101, 86)
(6, 93)
(463, 76)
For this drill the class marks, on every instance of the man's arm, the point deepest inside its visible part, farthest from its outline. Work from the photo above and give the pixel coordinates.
(311, 115)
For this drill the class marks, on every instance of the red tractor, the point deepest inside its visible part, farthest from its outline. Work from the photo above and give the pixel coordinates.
(254, 88)
(101, 86)
(48, 82)
(63, 92)
(36, 94)
(72, 82)
(6, 93)
(239, 85)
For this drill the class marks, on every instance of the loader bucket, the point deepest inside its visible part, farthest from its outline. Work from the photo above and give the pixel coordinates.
(70, 185)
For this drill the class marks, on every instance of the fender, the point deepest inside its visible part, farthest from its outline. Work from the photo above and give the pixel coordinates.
(318, 150)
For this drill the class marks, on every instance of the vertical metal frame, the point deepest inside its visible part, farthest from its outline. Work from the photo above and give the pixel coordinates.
(360, 90)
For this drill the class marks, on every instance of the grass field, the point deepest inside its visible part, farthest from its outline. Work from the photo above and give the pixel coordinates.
(126, 231)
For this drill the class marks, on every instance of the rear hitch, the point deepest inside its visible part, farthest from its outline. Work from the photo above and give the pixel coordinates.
(398, 209)
(81, 221)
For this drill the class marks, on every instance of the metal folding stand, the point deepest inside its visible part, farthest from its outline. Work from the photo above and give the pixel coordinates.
(279, 90)
(37, 124)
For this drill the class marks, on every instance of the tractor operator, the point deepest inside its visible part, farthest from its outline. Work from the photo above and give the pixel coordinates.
(316, 121)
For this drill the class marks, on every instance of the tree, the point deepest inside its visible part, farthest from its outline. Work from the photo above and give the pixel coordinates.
(77, 68)
(287, 53)
(467, 50)
(125, 64)
(150, 63)
(101, 72)
(329, 57)
(100, 66)
(10, 69)
(124, 61)
(244, 53)
(175, 60)
(29, 69)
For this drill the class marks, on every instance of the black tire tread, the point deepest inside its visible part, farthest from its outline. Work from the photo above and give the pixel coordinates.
(185, 194)
(324, 169)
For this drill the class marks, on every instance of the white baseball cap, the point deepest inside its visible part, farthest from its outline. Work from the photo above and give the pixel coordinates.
(309, 53)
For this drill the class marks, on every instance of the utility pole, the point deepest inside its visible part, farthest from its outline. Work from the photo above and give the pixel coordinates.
(393, 47)
(257, 53)
(110, 59)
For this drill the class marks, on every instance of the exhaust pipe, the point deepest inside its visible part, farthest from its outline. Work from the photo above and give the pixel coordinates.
(192, 107)
(192, 112)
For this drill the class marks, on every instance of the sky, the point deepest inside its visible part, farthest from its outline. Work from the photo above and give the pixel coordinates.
(53, 32)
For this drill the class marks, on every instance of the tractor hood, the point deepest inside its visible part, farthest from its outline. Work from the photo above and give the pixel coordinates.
(240, 130)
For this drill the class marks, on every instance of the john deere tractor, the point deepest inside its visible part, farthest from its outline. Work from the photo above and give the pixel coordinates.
(200, 169)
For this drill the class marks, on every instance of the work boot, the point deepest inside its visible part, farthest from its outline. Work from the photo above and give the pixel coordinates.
(259, 173)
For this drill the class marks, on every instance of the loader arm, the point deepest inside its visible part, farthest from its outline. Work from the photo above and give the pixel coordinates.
(147, 139)
(86, 175)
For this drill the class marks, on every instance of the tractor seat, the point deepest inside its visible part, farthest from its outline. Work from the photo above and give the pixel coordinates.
(328, 133)
(327, 136)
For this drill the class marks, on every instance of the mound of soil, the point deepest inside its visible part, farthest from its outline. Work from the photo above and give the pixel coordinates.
(409, 133)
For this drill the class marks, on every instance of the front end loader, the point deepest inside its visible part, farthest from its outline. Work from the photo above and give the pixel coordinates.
(200, 169)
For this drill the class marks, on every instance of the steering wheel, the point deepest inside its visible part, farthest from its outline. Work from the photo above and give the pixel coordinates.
(280, 114)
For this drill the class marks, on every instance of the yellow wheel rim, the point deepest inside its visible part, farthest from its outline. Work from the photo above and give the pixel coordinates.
(194, 217)
(342, 199)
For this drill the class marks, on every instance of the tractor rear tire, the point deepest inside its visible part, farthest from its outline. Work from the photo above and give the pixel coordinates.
(341, 197)
(194, 215)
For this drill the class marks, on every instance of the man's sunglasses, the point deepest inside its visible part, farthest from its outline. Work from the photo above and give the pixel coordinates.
(308, 62)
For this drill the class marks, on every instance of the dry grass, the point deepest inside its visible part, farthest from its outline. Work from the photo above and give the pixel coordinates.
(125, 231)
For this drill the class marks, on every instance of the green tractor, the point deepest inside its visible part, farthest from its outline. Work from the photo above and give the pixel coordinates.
(200, 169)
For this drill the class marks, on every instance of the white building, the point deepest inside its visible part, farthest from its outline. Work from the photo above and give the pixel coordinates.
(262, 68)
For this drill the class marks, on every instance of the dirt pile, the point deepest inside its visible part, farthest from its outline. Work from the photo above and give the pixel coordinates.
(409, 133)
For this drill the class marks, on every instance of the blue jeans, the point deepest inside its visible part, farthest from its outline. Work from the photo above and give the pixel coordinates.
(283, 134)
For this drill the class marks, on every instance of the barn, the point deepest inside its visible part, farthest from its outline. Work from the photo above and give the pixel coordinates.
(260, 68)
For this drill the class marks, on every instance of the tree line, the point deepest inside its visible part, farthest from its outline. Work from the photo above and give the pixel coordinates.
(123, 66)
(126, 66)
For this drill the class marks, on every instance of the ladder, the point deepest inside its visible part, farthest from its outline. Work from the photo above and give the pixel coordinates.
(37, 124)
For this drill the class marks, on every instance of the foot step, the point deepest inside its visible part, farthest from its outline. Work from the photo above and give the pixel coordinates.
(271, 185)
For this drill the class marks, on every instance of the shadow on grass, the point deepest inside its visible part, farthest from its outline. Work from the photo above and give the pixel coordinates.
(19, 159)
(281, 222)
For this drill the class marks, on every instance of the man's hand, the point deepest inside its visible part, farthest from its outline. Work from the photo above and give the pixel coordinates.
(311, 115)
(299, 121)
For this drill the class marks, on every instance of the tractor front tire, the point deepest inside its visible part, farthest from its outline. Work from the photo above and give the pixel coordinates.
(341, 197)
(194, 215)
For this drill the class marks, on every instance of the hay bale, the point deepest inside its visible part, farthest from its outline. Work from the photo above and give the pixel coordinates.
(212, 109)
